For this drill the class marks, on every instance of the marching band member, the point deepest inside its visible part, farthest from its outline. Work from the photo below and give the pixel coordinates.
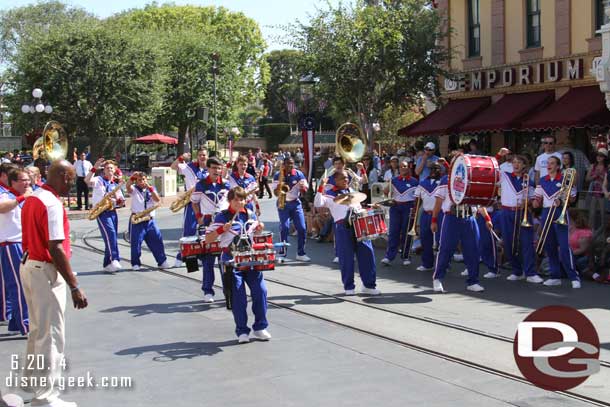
(344, 237)
(488, 247)
(456, 229)
(295, 180)
(108, 221)
(227, 225)
(556, 245)
(192, 171)
(143, 196)
(512, 199)
(208, 198)
(403, 192)
(241, 178)
(426, 191)
(11, 202)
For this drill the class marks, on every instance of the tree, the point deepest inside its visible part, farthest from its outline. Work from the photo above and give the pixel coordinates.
(101, 83)
(243, 72)
(370, 55)
(286, 68)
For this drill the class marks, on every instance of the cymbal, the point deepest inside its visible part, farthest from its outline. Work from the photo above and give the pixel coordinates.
(348, 199)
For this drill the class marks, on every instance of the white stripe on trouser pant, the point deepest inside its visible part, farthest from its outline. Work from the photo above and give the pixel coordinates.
(45, 291)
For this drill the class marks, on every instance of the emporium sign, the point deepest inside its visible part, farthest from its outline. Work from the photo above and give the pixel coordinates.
(520, 75)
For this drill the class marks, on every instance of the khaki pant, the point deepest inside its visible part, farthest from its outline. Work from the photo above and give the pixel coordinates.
(45, 292)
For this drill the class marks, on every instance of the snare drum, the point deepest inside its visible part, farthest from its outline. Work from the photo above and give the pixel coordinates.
(243, 260)
(213, 248)
(191, 246)
(263, 256)
(473, 180)
(263, 237)
(370, 224)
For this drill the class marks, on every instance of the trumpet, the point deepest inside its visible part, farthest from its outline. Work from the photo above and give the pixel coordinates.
(564, 195)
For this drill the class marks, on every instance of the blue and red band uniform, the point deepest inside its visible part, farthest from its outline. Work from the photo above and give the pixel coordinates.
(402, 190)
(244, 220)
(488, 247)
(426, 191)
(329, 185)
(211, 196)
(556, 245)
(248, 183)
(108, 220)
(456, 229)
(146, 231)
(192, 173)
(293, 211)
(346, 243)
(512, 199)
(14, 306)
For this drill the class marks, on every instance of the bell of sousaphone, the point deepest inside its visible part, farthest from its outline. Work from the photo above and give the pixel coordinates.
(351, 142)
(53, 144)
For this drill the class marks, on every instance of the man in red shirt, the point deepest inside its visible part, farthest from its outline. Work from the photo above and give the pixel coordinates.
(45, 272)
(265, 169)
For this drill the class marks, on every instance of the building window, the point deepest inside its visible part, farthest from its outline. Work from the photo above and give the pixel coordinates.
(599, 15)
(474, 29)
(533, 23)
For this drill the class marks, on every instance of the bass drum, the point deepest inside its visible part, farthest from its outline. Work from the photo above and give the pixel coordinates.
(473, 180)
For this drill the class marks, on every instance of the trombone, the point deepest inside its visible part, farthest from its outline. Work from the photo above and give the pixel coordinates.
(412, 233)
(564, 195)
(524, 221)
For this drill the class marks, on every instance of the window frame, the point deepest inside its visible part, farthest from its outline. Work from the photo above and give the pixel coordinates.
(474, 43)
(599, 16)
(530, 41)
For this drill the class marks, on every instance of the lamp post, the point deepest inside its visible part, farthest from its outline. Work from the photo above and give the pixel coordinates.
(215, 58)
(36, 106)
(601, 66)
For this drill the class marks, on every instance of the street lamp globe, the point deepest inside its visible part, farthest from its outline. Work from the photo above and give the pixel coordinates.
(40, 108)
(48, 109)
(25, 108)
(235, 131)
(37, 93)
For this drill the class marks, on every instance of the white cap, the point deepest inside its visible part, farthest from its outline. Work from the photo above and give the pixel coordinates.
(430, 146)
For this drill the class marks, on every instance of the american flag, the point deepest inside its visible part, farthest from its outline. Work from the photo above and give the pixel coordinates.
(291, 106)
(323, 104)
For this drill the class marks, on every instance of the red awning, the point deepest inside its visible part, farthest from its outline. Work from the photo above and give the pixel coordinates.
(156, 139)
(508, 112)
(447, 118)
(579, 107)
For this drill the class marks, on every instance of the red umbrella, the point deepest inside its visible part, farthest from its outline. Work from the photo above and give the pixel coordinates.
(156, 139)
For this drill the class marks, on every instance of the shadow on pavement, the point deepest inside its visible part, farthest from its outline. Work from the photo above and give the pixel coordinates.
(161, 308)
(169, 352)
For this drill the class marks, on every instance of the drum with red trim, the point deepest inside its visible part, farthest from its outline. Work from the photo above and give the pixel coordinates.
(263, 237)
(191, 247)
(473, 180)
(213, 248)
(370, 224)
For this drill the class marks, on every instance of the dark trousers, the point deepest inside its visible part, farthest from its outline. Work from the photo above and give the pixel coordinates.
(82, 188)
(264, 183)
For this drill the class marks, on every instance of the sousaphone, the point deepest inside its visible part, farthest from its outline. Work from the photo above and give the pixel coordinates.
(53, 144)
(350, 142)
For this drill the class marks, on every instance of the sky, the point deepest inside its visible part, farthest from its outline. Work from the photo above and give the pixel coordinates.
(268, 13)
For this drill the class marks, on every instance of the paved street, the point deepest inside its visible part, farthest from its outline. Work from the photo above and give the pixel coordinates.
(153, 328)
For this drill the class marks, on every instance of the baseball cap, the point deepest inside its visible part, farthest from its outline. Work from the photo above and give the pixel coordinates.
(394, 158)
(430, 146)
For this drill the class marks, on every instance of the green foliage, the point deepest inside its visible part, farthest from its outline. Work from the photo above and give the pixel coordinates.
(286, 68)
(100, 83)
(373, 54)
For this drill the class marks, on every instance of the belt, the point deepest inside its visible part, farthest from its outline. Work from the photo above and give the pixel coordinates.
(428, 212)
(511, 208)
(2, 244)
(404, 203)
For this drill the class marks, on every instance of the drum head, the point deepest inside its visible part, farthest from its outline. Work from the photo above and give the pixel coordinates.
(188, 239)
(458, 179)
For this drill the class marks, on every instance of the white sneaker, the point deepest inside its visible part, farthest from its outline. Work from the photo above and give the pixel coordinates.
(262, 335)
(295, 233)
(243, 338)
(552, 282)
(464, 273)
(406, 262)
(117, 265)
(385, 261)
(438, 286)
(350, 292)
(422, 268)
(475, 287)
(165, 265)
(136, 268)
(110, 269)
(370, 291)
(178, 263)
(458, 257)
(303, 258)
(336, 260)
(575, 284)
(60, 403)
(514, 277)
(208, 298)
(535, 279)
(490, 274)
